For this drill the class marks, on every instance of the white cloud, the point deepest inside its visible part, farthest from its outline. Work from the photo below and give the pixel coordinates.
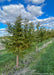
(2, 29)
(47, 22)
(10, 12)
(3, 32)
(35, 10)
(37, 1)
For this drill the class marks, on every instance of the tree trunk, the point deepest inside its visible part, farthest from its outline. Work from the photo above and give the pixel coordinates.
(17, 61)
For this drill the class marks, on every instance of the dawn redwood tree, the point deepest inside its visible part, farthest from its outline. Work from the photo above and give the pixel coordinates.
(16, 42)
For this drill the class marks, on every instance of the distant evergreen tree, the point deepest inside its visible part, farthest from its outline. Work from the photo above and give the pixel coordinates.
(37, 32)
(31, 33)
(41, 33)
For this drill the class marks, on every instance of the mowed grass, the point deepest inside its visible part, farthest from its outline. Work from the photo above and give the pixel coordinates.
(46, 62)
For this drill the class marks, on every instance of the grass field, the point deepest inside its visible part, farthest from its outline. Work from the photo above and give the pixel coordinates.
(46, 62)
(7, 61)
(39, 61)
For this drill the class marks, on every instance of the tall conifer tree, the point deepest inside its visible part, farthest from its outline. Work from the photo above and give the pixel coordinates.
(17, 42)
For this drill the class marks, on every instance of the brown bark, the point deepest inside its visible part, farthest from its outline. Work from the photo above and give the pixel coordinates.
(17, 61)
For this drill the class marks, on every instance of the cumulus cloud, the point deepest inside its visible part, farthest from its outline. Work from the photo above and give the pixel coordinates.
(37, 1)
(3, 32)
(47, 22)
(35, 10)
(10, 12)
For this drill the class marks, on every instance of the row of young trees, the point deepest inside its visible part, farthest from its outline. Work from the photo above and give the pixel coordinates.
(23, 35)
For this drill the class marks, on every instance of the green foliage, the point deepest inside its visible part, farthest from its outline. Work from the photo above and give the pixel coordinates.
(46, 62)
(24, 35)
(20, 36)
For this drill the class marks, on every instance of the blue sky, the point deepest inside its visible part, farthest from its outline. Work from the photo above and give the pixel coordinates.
(35, 10)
